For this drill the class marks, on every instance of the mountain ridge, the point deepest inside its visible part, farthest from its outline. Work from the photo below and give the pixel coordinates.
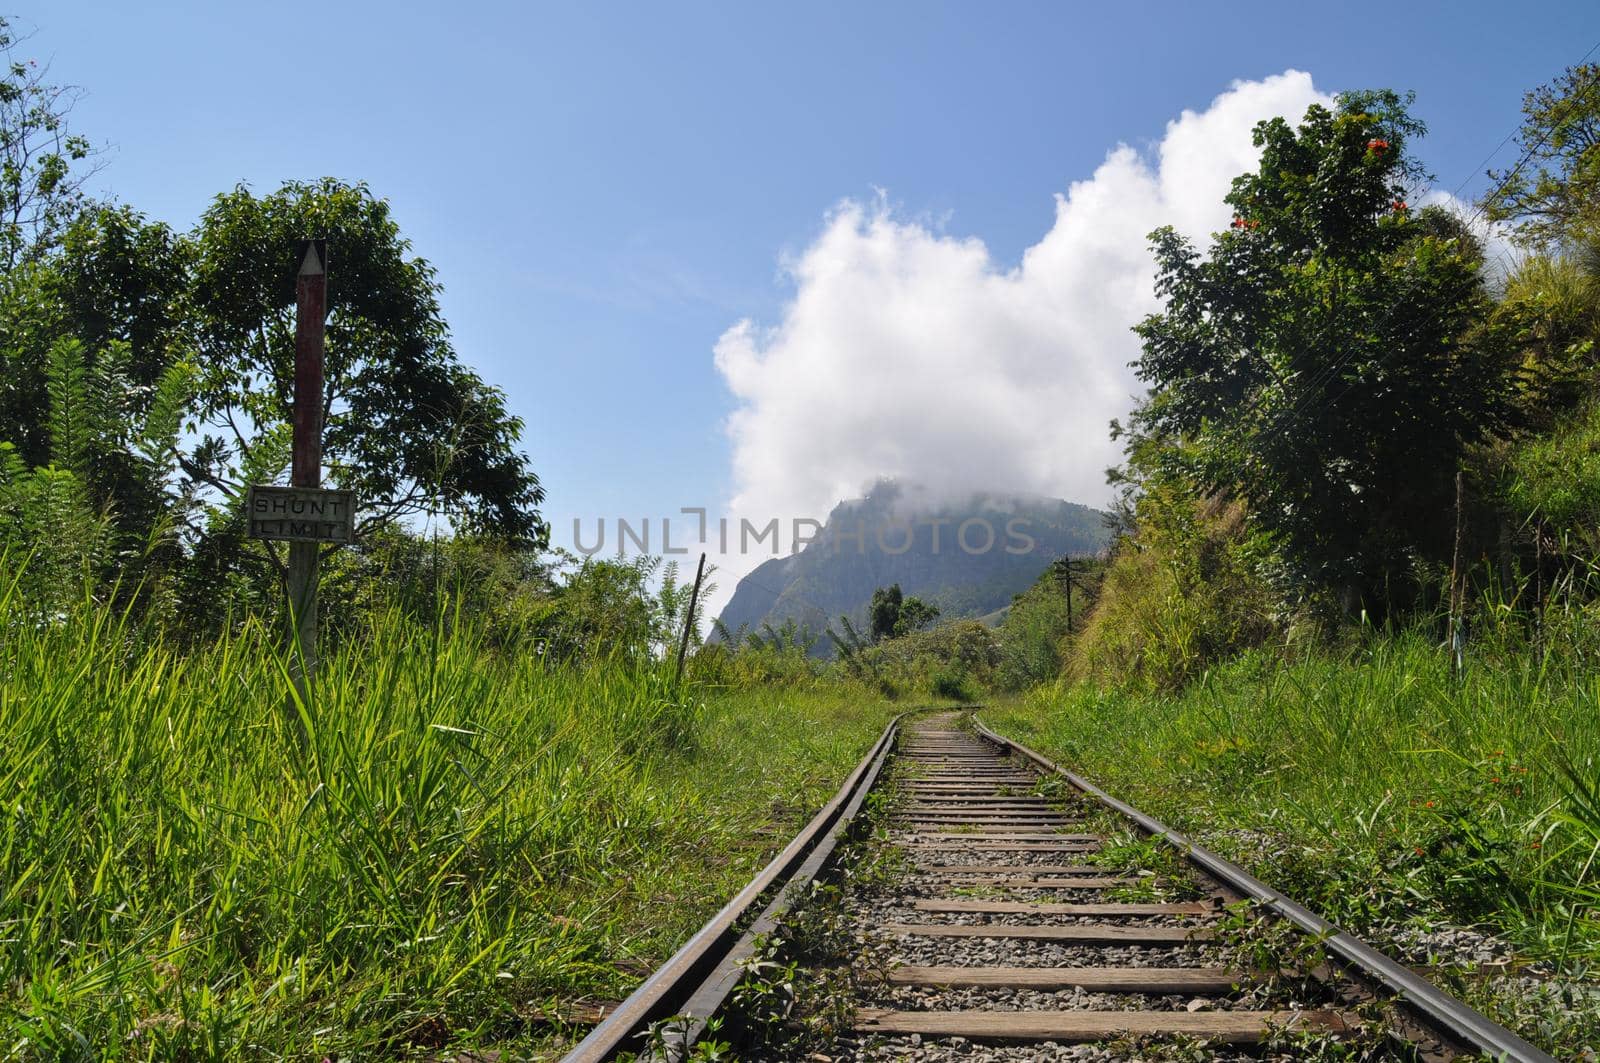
(968, 557)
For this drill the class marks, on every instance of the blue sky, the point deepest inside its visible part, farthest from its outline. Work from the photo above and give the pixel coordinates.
(606, 189)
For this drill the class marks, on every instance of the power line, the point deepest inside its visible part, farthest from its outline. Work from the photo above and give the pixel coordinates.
(1477, 214)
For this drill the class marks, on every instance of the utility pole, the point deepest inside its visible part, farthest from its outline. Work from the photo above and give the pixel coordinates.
(1063, 571)
(1069, 595)
(311, 307)
(688, 622)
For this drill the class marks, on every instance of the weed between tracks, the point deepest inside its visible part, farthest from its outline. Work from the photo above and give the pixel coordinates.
(1163, 873)
(800, 989)
(1371, 1045)
(1280, 960)
(1369, 1042)
(1279, 963)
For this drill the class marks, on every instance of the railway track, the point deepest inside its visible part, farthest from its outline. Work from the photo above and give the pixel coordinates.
(1017, 912)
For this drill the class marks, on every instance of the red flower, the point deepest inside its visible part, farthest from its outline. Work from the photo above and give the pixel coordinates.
(1495, 779)
(1420, 852)
(1377, 145)
(1428, 804)
(1400, 206)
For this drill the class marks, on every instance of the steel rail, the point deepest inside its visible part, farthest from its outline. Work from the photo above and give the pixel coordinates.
(1444, 1011)
(701, 974)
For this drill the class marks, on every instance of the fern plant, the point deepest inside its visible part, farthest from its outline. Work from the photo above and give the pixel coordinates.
(72, 416)
(50, 532)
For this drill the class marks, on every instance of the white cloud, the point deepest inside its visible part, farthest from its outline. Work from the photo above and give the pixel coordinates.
(910, 353)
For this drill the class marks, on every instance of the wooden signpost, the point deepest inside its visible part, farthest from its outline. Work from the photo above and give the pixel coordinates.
(304, 514)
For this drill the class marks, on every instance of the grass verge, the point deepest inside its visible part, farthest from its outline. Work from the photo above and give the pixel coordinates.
(1404, 805)
(446, 848)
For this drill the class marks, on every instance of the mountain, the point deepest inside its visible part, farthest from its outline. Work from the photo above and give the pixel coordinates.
(968, 559)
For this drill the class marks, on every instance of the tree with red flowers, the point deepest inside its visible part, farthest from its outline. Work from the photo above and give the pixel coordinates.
(1324, 361)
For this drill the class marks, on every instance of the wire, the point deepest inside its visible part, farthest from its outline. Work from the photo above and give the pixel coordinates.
(1476, 217)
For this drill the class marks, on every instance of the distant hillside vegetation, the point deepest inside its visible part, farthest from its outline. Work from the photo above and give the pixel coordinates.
(968, 559)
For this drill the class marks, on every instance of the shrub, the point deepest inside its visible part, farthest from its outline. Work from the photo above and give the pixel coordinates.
(964, 653)
(1182, 594)
(1556, 478)
(951, 682)
(1033, 636)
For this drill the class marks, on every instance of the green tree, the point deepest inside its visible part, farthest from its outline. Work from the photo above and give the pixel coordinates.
(407, 426)
(892, 615)
(111, 290)
(43, 166)
(883, 614)
(1326, 361)
(606, 609)
(915, 614)
(1555, 195)
(113, 284)
(94, 383)
(70, 270)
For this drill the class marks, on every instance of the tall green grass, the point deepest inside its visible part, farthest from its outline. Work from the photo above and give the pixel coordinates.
(445, 844)
(1373, 783)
